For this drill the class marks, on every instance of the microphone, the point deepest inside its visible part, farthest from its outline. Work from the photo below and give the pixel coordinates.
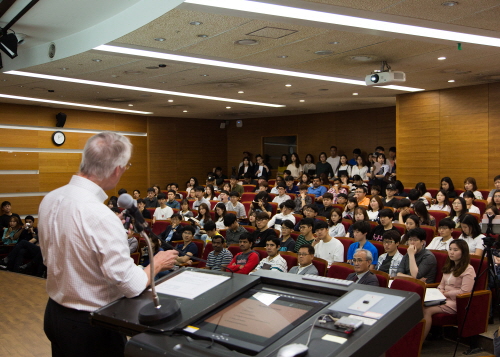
(126, 201)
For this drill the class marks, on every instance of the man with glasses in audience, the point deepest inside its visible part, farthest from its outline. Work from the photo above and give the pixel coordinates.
(362, 274)
(360, 194)
(390, 260)
(418, 263)
(305, 258)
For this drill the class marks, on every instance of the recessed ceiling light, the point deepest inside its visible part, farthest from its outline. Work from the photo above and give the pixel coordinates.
(282, 56)
(64, 68)
(130, 105)
(246, 42)
(71, 104)
(450, 3)
(345, 20)
(187, 59)
(334, 43)
(228, 107)
(203, 36)
(302, 100)
(114, 76)
(441, 58)
(451, 81)
(362, 58)
(288, 85)
(322, 53)
(195, 23)
(170, 100)
(240, 92)
(97, 60)
(160, 39)
(141, 89)
(184, 111)
(204, 75)
(354, 93)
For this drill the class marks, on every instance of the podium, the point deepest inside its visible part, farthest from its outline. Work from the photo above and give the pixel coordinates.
(257, 314)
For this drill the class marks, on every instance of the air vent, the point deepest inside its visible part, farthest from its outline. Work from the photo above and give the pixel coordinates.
(272, 32)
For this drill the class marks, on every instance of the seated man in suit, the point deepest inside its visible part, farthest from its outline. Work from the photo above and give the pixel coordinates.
(362, 274)
(305, 258)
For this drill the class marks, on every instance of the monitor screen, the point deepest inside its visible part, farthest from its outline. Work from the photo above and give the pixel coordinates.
(254, 320)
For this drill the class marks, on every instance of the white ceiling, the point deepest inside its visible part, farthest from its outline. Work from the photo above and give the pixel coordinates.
(416, 56)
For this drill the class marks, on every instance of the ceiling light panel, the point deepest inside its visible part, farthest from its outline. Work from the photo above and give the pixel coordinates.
(345, 20)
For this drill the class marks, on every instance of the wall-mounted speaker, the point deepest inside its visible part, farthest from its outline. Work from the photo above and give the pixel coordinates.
(60, 120)
(239, 123)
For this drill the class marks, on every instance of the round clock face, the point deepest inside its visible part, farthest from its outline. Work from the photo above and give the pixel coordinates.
(58, 138)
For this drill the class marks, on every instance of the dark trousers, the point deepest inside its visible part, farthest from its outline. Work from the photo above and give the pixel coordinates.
(71, 334)
(22, 250)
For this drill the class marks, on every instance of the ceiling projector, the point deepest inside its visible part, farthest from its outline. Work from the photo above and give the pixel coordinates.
(385, 78)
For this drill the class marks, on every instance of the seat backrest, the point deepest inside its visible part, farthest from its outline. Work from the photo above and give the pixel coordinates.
(248, 188)
(250, 229)
(136, 256)
(379, 246)
(248, 196)
(430, 232)
(212, 215)
(295, 235)
(438, 215)
(261, 251)
(213, 203)
(151, 211)
(383, 278)
(457, 232)
(400, 227)
(247, 207)
(223, 232)
(441, 256)
(272, 196)
(481, 204)
(482, 281)
(346, 242)
(274, 208)
(234, 249)
(347, 223)
(406, 283)
(340, 270)
(292, 196)
(208, 248)
(160, 226)
(433, 191)
(291, 259)
(402, 249)
(321, 265)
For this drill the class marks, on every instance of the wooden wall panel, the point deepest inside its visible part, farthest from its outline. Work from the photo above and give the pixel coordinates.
(19, 138)
(494, 132)
(19, 160)
(19, 183)
(23, 205)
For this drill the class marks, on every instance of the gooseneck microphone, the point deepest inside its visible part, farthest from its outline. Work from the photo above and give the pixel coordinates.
(155, 312)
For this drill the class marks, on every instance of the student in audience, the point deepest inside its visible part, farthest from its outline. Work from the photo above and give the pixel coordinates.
(309, 211)
(184, 211)
(263, 186)
(212, 232)
(414, 197)
(286, 213)
(326, 210)
(192, 195)
(234, 186)
(163, 212)
(187, 249)
(234, 230)
(342, 166)
(458, 278)
(355, 154)
(175, 187)
(401, 188)
(336, 229)
(202, 218)
(295, 166)
(171, 202)
(361, 196)
(403, 210)
(323, 166)
(212, 182)
(305, 180)
(496, 182)
(236, 206)
(471, 233)
(136, 194)
(342, 199)
(360, 169)
(309, 164)
(471, 185)
(209, 192)
(375, 190)
(445, 229)
(252, 217)
(412, 221)
(245, 168)
(261, 204)
(448, 186)
(442, 202)
(418, 263)
(287, 243)
(173, 232)
(151, 200)
(357, 182)
(290, 185)
(274, 261)
(223, 197)
(469, 200)
(336, 189)
(391, 160)
(262, 232)
(260, 170)
(220, 212)
(113, 202)
(334, 159)
(373, 209)
(279, 180)
(248, 179)
(157, 189)
(390, 200)
(344, 179)
(390, 260)
(6, 215)
(141, 205)
(422, 190)
(496, 199)
(219, 257)
(362, 261)
(305, 258)
(459, 209)
(352, 203)
(378, 172)
(283, 164)
(200, 199)
(385, 217)
(302, 199)
(245, 261)
(306, 233)
(282, 196)
(360, 231)
(425, 217)
(12, 233)
(327, 247)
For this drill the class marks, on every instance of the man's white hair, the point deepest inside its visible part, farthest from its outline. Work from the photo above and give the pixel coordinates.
(369, 255)
(103, 152)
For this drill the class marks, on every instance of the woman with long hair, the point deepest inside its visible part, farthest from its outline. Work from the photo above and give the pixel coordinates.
(247, 165)
(185, 212)
(458, 278)
(412, 221)
(469, 200)
(343, 166)
(323, 166)
(448, 186)
(374, 207)
(421, 211)
(295, 167)
(337, 229)
(202, 217)
(352, 203)
(442, 202)
(113, 202)
(422, 190)
(13, 231)
(309, 164)
(220, 212)
(282, 164)
(471, 185)
(360, 169)
(471, 233)
(305, 180)
(496, 199)
(209, 192)
(458, 211)
(191, 184)
(359, 215)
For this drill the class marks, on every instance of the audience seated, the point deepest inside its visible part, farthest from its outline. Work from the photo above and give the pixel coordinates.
(163, 212)
(360, 231)
(187, 249)
(390, 260)
(306, 236)
(445, 229)
(262, 232)
(385, 217)
(471, 185)
(245, 261)
(287, 243)
(219, 257)
(317, 189)
(442, 202)
(6, 214)
(361, 196)
(141, 205)
(234, 230)
(418, 263)
(448, 187)
(151, 200)
(302, 199)
(305, 258)
(274, 261)
(171, 202)
(362, 261)
(286, 209)
(199, 194)
(336, 229)
(173, 232)
(261, 204)
(390, 200)
(496, 183)
(282, 196)
(327, 247)
(471, 233)
(458, 211)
